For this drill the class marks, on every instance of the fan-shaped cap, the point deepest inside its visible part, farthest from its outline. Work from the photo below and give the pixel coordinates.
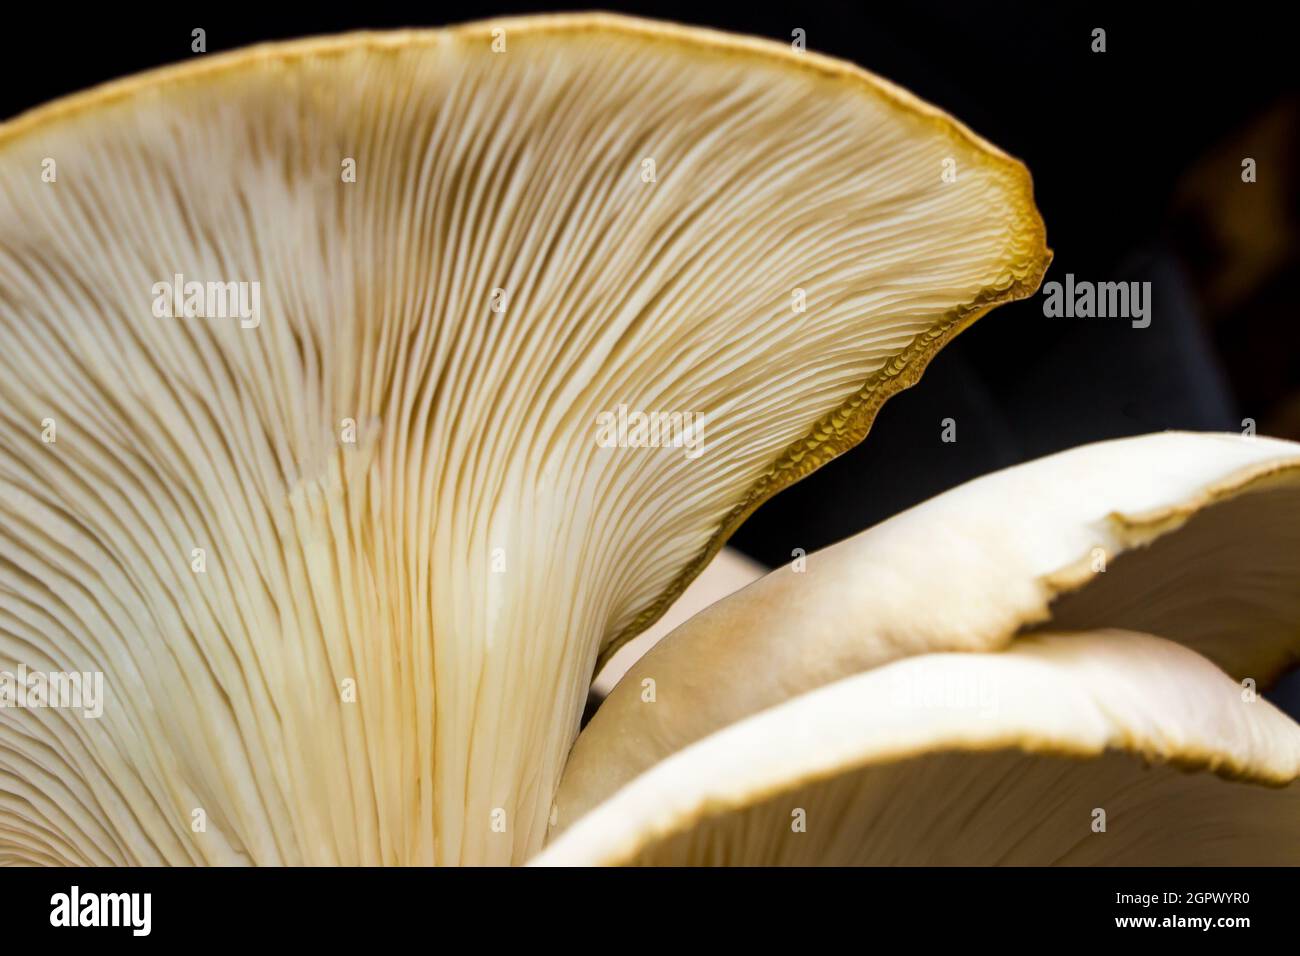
(376, 331)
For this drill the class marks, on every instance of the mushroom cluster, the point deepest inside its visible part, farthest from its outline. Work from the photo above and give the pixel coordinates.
(317, 364)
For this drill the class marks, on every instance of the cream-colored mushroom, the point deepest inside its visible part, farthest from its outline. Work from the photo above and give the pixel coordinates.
(348, 554)
(1193, 537)
(1104, 747)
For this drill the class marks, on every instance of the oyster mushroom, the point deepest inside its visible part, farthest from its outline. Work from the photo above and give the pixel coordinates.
(1094, 748)
(963, 682)
(349, 554)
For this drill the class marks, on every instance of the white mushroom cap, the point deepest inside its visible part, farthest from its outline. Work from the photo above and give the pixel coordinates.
(1106, 747)
(1192, 537)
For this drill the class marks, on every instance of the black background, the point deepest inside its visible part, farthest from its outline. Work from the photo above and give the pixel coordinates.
(745, 910)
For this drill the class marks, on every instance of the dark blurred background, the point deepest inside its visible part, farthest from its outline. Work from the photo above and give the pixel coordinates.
(1136, 154)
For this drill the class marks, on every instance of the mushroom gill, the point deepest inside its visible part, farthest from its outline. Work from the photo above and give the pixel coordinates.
(348, 554)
